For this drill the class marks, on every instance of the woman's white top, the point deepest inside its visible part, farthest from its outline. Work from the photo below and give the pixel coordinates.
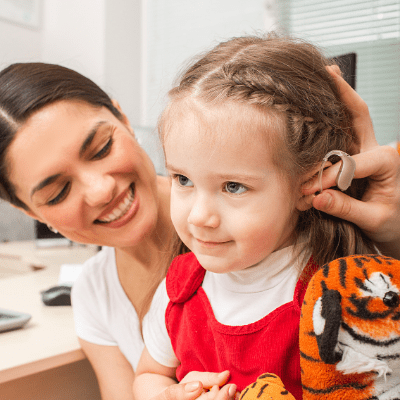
(103, 313)
(237, 298)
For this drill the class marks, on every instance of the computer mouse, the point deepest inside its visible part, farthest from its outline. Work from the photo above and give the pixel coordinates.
(57, 296)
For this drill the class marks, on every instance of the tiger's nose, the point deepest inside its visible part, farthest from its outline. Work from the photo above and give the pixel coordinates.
(391, 299)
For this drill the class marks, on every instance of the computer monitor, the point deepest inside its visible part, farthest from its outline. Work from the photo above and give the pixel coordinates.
(347, 63)
(44, 237)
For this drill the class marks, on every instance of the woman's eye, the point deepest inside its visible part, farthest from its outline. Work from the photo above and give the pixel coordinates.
(183, 180)
(105, 150)
(235, 188)
(61, 196)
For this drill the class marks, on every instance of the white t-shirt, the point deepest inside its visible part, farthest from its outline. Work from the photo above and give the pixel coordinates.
(103, 313)
(237, 298)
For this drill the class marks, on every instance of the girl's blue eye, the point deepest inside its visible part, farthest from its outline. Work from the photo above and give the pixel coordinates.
(235, 188)
(184, 181)
(105, 150)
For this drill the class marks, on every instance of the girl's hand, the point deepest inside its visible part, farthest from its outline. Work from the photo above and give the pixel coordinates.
(378, 212)
(195, 390)
(207, 379)
(213, 384)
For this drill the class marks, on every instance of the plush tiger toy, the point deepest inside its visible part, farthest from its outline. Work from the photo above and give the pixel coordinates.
(350, 330)
(266, 387)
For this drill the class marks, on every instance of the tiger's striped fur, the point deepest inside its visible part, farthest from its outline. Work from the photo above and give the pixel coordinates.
(266, 387)
(350, 330)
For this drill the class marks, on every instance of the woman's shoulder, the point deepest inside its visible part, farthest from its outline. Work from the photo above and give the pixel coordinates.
(97, 273)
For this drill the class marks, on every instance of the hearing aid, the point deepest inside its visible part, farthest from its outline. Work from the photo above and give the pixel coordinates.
(346, 171)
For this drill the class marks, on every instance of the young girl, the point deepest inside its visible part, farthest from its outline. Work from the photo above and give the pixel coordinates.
(247, 125)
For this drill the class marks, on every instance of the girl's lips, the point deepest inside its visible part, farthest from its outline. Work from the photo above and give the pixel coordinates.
(210, 244)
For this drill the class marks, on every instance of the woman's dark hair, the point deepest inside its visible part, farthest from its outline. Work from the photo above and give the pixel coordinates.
(28, 87)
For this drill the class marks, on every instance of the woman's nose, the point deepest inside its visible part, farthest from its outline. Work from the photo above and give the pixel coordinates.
(204, 213)
(99, 189)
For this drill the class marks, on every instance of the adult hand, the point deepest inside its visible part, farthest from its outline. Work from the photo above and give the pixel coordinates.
(378, 212)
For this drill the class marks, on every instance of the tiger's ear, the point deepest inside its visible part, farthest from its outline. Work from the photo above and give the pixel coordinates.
(327, 316)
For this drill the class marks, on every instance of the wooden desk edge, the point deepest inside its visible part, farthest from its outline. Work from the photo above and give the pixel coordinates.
(41, 365)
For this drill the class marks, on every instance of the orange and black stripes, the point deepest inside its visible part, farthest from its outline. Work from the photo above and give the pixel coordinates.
(266, 387)
(352, 304)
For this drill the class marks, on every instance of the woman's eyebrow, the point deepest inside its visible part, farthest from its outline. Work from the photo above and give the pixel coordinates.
(89, 138)
(44, 183)
(86, 143)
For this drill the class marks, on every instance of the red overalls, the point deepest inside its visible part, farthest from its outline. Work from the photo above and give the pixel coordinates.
(201, 343)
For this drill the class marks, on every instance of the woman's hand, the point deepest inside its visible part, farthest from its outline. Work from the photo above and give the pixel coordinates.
(378, 212)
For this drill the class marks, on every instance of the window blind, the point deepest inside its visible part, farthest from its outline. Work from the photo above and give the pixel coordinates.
(371, 29)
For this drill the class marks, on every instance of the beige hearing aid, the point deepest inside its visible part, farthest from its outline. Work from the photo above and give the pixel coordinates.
(346, 171)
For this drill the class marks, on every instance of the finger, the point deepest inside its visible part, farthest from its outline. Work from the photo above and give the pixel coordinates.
(345, 207)
(208, 379)
(378, 164)
(359, 110)
(227, 392)
(188, 391)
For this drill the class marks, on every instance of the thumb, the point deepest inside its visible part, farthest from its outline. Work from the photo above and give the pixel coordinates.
(339, 205)
(188, 391)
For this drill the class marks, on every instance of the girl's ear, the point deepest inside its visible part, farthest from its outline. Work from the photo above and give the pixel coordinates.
(304, 202)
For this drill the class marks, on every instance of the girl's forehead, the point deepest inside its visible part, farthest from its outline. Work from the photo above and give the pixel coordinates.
(193, 120)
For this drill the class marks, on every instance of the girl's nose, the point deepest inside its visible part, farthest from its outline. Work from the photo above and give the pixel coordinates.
(99, 189)
(204, 214)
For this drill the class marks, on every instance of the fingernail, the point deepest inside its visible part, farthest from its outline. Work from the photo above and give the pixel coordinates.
(192, 386)
(221, 374)
(232, 390)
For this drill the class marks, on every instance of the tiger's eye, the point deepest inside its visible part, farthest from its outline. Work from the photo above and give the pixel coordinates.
(391, 299)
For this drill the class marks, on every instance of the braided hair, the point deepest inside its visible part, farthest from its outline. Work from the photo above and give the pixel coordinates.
(285, 77)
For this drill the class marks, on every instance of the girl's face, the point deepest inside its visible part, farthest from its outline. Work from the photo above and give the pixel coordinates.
(79, 169)
(229, 203)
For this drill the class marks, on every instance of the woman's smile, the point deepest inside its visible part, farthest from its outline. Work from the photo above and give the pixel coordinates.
(118, 210)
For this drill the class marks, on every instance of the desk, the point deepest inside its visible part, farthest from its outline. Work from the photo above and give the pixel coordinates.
(44, 356)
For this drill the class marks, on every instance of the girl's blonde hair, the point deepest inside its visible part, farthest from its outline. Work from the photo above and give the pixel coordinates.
(286, 77)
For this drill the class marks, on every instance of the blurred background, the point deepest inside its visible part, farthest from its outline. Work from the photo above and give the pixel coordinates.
(134, 48)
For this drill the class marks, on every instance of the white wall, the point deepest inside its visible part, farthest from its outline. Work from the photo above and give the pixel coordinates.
(73, 35)
(131, 48)
(18, 43)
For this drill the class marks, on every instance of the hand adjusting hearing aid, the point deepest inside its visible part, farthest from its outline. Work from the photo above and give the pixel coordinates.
(346, 171)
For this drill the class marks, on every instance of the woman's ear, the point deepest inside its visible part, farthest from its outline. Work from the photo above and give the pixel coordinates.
(29, 213)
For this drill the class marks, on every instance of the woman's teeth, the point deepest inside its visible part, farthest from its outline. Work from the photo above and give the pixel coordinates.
(121, 209)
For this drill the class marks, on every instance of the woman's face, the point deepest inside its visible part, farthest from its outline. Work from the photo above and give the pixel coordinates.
(79, 169)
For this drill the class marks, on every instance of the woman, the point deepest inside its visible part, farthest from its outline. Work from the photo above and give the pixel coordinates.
(69, 158)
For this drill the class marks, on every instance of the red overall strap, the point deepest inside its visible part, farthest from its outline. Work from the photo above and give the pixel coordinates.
(201, 343)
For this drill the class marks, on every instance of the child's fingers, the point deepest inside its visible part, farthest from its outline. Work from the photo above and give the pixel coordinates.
(188, 391)
(227, 392)
(208, 379)
(361, 119)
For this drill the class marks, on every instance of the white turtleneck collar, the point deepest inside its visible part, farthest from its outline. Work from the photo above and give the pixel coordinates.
(245, 296)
